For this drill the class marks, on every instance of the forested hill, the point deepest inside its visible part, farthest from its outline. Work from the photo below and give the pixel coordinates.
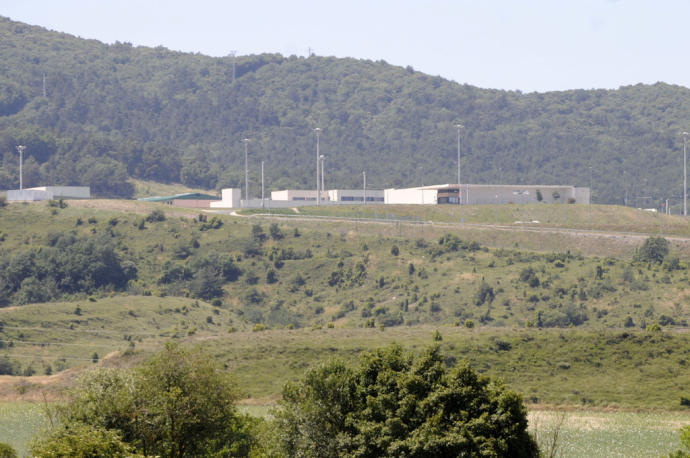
(114, 111)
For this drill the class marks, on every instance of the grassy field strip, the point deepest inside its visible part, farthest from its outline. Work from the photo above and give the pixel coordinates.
(610, 434)
(19, 422)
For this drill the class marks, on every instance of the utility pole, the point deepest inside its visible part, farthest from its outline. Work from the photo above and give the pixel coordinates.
(246, 170)
(323, 186)
(21, 149)
(45, 93)
(459, 126)
(685, 174)
(318, 192)
(262, 184)
(364, 178)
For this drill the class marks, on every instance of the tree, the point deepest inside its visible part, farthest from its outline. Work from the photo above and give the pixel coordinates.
(394, 404)
(539, 196)
(654, 249)
(81, 440)
(179, 403)
(7, 451)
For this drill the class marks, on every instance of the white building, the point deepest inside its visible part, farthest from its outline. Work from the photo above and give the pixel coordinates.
(230, 198)
(478, 194)
(48, 193)
(330, 196)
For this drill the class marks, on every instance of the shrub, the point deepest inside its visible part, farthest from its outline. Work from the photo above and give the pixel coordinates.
(395, 250)
(155, 216)
(654, 249)
(485, 293)
(275, 232)
(469, 324)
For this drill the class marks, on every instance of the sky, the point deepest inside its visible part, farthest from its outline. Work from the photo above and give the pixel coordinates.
(526, 45)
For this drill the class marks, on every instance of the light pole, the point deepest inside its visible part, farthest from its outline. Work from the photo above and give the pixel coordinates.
(21, 149)
(364, 187)
(262, 185)
(318, 194)
(459, 126)
(322, 157)
(685, 174)
(246, 170)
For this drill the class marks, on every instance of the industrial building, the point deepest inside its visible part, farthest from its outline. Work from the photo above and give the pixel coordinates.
(48, 193)
(330, 196)
(478, 194)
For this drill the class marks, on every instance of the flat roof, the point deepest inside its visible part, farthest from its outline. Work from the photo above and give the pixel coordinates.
(183, 196)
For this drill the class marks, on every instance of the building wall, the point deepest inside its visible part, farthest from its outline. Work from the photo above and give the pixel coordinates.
(355, 195)
(66, 192)
(474, 194)
(48, 193)
(411, 196)
(230, 198)
(297, 195)
(192, 203)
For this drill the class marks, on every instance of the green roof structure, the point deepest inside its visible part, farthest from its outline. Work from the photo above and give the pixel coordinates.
(184, 196)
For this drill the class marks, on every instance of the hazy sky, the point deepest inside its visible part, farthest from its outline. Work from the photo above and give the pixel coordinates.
(530, 45)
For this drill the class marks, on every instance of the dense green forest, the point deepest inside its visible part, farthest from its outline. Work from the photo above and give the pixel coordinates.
(109, 112)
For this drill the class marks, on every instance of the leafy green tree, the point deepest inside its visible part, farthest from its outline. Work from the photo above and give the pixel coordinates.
(7, 451)
(178, 404)
(654, 249)
(79, 440)
(394, 404)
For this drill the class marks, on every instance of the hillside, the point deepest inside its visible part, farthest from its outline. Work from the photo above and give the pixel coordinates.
(111, 112)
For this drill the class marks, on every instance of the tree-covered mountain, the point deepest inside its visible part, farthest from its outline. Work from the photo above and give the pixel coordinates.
(114, 111)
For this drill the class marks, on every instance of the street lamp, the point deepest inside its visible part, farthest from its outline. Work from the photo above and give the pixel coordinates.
(364, 187)
(322, 157)
(318, 194)
(459, 126)
(246, 170)
(685, 174)
(21, 149)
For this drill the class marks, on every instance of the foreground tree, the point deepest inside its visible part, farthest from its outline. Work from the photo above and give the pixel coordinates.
(396, 405)
(178, 404)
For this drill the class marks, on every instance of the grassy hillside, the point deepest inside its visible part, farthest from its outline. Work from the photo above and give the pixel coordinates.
(305, 273)
(270, 296)
(112, 112)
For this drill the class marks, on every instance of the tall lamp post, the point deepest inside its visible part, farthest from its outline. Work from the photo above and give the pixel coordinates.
(323, 159)
(318, 193)
(459, 126)
(364, 187)
(685, 173)
(21, 149)
(246, 169)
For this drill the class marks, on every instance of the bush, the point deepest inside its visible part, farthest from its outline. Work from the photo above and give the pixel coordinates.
(81, 440)
(6, 451)
(156, 215)
(395, 250)
(654, 249)
(394, 404)
(485, 293)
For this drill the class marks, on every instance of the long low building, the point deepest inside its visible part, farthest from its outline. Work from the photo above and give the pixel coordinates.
(48, 193)
(478, 194)
(332, 195)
